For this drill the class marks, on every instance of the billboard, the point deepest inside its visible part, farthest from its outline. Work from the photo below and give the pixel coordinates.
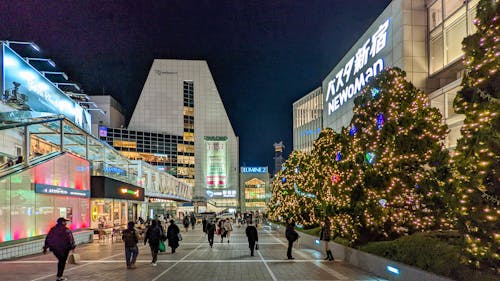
(26, 89)
(216, 165)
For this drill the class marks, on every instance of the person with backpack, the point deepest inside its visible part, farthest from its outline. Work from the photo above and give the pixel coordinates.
(154, 234)
(292, 236)
(185, 222)
(130, 237)
(60, 241)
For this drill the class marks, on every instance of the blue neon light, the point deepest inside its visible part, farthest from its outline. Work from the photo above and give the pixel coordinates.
(392, 269)
(316, 242)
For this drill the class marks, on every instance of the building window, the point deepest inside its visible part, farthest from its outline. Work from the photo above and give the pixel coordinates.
(455, 32)
(435, 14)
(436, 52)
(450, 6)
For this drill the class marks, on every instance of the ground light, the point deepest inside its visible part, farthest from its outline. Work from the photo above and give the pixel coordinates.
(392, 269)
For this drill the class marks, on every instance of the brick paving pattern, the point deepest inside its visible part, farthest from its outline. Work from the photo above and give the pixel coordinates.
(194, 260)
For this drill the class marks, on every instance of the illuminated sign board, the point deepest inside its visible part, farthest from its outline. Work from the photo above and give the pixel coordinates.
(103, 131)
(253, 170)
(216, 169)
(58, 190)
(353, 76)
(27, 89)
(221, 193)
(104, 187)
(133, 192)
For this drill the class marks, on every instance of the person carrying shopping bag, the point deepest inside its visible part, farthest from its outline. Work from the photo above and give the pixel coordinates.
(154, 235)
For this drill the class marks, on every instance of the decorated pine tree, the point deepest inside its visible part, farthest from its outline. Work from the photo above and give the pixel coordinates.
(400, 180)
(477, 153)
(328, 181)
(288, 199)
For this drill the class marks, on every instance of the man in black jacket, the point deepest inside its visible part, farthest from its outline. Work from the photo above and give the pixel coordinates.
(292, 236)
(211, 233)
(252, 235)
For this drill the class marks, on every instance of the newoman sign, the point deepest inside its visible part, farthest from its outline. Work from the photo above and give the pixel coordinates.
(353, 75)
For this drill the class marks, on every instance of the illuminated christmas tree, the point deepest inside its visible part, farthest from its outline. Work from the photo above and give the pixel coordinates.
(477, 153)
(289, 200)
(400, 180)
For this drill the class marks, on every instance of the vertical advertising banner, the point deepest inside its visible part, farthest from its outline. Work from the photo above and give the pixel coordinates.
(216, 173)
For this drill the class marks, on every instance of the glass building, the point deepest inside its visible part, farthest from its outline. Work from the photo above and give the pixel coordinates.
(180, 125)
(307, 120)
(255, 189)
(421, 37)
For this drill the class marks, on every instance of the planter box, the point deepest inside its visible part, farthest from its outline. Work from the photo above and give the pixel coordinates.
(374, 264)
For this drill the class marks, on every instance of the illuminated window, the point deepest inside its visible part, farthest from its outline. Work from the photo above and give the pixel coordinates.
(188, 111)
(188, 136)
(435, 14)
(124, 144)
(455, 32)
(451, 6)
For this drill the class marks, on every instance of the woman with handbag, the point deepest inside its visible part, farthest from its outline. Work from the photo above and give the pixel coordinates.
(173, 236)
(325, 237)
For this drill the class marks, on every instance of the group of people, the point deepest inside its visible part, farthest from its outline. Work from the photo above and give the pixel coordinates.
(60, 239)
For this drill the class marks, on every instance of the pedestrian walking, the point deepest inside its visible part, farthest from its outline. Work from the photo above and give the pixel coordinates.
(60, 241)
(130, 237)
(153, 235)
(173, 235)
(211, 233)
(292, 236)
(204, 224)
(228, 227)
(192, 219)
(253, 237)
(221, 231)
(324, 236)
(185, 222)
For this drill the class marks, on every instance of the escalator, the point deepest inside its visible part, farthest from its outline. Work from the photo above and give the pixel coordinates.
(6, 170)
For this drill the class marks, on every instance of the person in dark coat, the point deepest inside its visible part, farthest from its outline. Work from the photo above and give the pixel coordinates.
(192, 219)
(185, 222)
(324, 236)
(292, 236)
(211, 233)
(252, 236)
(173, 235)
(204, 223)
(154, 234)
(60, 241)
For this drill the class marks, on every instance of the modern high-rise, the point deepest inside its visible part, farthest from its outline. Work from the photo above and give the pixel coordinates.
(422, 37)
(180, 125)
(279, 147)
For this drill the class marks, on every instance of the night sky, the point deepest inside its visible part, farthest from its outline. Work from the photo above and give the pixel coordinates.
(263, 55)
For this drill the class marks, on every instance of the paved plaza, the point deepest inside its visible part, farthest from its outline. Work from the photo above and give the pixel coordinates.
(193, 260)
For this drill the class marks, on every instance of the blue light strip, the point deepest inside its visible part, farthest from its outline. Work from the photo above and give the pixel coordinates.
(392, 269)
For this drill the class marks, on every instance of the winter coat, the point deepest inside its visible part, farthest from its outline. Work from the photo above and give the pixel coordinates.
(59, 238)
(210, 229)
(154, 234)
(129, 236)
(252, 234)
(291, 234)
(325, 233)
(173, 236)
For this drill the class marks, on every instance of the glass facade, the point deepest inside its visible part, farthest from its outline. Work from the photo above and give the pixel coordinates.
(307, 120)
(255, 188)
(450, 21)
(26, 213)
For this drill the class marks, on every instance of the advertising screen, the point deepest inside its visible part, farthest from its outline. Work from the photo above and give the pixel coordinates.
(216, 165)
(27, 89)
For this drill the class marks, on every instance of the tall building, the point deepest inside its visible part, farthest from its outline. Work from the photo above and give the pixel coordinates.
(279, 147)
(181, 126)
(254, 189)
(307, 120)
(111, 113)
(422, 37)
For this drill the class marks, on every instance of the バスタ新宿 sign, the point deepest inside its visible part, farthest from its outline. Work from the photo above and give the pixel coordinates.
(366, 63)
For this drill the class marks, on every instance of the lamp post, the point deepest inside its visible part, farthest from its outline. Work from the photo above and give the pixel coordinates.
(55, 72)
(32, 44)
(49, 61)
(68, 84)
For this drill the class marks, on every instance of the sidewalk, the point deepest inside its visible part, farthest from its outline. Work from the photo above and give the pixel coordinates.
(193, 260)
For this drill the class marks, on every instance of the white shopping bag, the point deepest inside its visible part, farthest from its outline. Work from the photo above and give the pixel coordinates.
(74, 258)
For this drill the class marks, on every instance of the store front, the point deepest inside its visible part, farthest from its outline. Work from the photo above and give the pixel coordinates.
(114, 203)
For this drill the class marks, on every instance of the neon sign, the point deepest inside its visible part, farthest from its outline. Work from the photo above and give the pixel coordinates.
(256, 170)
(351, 78)
(58, 190)
(130, 191)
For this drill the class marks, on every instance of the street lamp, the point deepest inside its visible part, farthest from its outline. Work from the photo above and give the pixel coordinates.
(68, 84)
(32, 44)
(55, 72)
(49, 61)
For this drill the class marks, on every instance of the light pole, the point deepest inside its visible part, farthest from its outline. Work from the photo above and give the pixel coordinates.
(49, 61)
(55, 72)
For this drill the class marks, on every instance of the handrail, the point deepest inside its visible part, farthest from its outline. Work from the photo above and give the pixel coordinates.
(33, 162)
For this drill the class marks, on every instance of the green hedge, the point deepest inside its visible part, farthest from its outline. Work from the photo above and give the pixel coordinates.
(434, 253)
